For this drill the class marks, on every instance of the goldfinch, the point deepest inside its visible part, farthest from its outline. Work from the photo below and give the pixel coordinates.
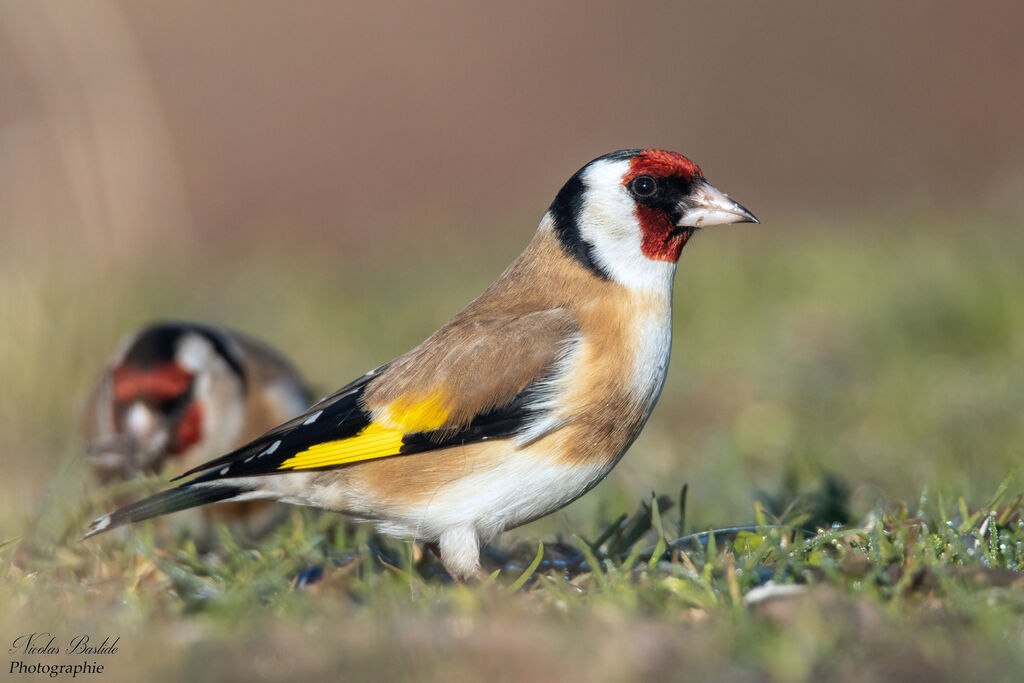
(517, 406)
(179, 393)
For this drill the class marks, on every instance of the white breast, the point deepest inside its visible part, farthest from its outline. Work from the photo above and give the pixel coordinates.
(652, 350)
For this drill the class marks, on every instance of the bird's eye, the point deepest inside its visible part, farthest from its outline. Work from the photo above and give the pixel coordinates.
(643, 186)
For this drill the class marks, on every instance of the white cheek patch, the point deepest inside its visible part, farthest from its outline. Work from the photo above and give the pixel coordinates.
(607, 219)
(608, 223)
(217, 388)
(194, 353)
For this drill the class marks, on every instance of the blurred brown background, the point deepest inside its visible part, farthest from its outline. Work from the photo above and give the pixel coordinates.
(339, 178)
(362, 120)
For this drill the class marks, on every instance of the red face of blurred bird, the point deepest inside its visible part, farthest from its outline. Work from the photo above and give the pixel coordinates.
(177, 393)
(155, 406)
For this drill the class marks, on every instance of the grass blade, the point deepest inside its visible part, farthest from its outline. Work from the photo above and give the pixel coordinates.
(659, 549)
(525, 576)
(595, 566)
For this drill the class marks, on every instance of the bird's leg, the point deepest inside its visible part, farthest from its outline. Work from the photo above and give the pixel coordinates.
(460, 552)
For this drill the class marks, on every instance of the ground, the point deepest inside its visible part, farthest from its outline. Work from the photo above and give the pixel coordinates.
(844, 406)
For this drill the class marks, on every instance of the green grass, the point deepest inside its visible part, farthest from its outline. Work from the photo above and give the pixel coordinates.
(847, 406)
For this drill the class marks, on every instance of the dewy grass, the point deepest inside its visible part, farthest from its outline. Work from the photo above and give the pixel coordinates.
(881, 551)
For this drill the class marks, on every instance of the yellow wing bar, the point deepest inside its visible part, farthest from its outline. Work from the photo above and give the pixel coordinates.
(375, 440)
(416, 416)
(372, 442)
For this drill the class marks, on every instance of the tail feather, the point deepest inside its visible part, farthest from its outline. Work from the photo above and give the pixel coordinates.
(180, 498)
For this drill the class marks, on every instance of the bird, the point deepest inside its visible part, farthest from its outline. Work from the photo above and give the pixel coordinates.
(518, 405)
(178, 393)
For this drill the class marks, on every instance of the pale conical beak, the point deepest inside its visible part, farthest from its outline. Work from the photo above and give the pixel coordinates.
(707, 206)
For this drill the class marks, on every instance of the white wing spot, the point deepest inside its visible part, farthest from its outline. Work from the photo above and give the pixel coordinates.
(271, 448)
(313, 418)
(224, 470)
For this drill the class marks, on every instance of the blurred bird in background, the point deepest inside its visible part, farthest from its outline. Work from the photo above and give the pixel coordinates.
(179, 393)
